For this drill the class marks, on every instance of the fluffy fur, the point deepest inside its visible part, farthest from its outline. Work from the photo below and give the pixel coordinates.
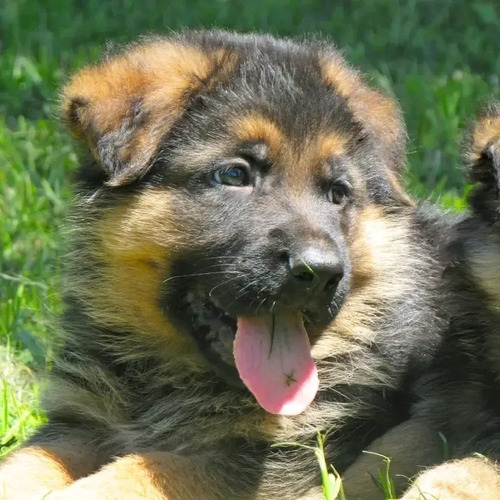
(458, 395)
(140, 403)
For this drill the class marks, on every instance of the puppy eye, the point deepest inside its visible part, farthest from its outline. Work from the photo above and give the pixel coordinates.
(237, 176)
(337, 193)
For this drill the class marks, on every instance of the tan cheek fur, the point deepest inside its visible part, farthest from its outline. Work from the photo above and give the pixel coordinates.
(379, 248)
(132, 244)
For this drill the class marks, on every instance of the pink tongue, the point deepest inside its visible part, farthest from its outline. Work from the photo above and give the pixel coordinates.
(275, 363)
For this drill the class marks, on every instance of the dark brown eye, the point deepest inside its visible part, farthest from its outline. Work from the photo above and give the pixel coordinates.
(236, 175)
(337, 193)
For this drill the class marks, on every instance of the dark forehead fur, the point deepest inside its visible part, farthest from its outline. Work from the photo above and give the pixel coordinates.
(282, 79)
(304, 88)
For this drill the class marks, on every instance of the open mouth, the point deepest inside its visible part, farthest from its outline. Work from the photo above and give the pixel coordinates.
(270, 353)
(213, 329)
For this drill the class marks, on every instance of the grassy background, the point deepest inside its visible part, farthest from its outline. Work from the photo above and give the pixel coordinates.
(440, 59)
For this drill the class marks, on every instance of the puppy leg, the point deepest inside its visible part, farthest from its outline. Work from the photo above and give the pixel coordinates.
(151, 476)
(466, 479)
(411, 446)
(34, 471)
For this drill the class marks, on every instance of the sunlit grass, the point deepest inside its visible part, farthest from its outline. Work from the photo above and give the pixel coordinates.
(18, 396)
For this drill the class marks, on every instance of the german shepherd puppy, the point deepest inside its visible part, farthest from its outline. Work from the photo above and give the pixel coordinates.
(458, 396)
(246, 270)
(465, 380)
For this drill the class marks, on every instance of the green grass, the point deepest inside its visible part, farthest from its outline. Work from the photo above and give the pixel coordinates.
(440, 59)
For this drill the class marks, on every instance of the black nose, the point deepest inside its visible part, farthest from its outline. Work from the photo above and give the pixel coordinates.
(316, 268)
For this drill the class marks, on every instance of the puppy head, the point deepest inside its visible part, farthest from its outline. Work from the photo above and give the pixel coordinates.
(482, 160)
(227, 188)
(123, 108)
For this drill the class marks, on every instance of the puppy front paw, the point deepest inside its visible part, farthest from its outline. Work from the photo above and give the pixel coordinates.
(466, 479)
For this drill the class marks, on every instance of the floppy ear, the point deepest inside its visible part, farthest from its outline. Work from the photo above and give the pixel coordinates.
(378, 114)
(380, 118)
(122, 107)
(482, 163)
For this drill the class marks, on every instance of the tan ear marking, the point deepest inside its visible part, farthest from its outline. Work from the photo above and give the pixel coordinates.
(378, 113)
(122, 107)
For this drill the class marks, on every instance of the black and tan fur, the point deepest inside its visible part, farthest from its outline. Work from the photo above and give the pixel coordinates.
(467, 381)
(138, 407)
(458, 396)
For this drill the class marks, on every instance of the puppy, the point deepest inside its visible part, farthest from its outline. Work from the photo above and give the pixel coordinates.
(246, 270)
(458, 396)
